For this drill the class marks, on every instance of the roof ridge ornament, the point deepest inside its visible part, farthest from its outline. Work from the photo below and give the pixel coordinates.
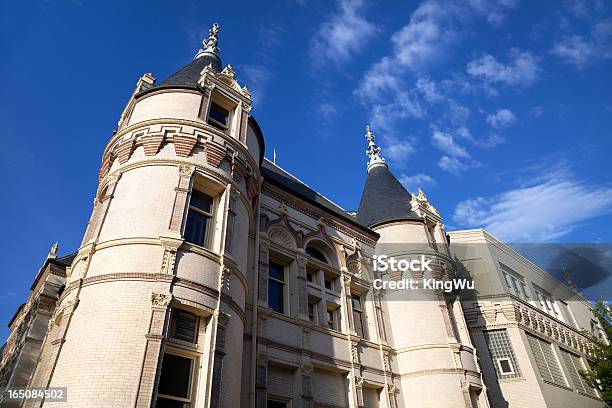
(210, 44)
(373, 151)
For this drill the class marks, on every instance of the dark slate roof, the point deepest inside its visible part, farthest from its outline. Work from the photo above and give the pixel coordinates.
(187, 77)
(67, 260)
(279, 177)
(384, 199)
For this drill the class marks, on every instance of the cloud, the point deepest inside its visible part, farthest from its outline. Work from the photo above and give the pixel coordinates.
(452, 165)
(343, 35)
(549, 208)
(429, 90)
(327, 110)
(574, 50)
(417, 181)
(494, 11)
(257, 78)
(447, 144)
(501, 118)
(492, 140)
(522, 70)
(582, 51)
(398, 150)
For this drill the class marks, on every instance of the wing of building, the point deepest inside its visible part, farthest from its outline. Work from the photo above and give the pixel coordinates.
(211, 277)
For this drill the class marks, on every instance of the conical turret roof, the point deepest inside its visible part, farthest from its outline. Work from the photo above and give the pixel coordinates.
(384, 199)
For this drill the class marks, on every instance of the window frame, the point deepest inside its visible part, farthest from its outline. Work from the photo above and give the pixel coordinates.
(208, 233)
(360, 311)
(193, 380)
(501, 368)
(283, 285)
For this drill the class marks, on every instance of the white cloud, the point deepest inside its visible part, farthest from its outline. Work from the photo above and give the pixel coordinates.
(327, 110)
(551, 208)
(574, 50)
(582, 51)
(494, 11)
(501, 118)
(452, 165)
(447, 144)
(414, 182)
(343, 35)
(492, 140)
(429, 89)
(522, 70)
(257, 78)
(398, 150)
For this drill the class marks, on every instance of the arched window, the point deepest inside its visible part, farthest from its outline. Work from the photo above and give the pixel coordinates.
(316, 254)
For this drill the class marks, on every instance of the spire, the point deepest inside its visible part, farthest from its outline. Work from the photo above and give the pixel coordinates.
(373, 151)
(210, 44)
(53, 251)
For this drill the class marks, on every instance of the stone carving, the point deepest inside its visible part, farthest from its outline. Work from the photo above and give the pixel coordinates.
(168, 260)
(161, 299)
(186, 170)
(358, 381)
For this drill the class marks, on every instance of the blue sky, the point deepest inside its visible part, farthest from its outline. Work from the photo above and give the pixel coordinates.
(500, 110)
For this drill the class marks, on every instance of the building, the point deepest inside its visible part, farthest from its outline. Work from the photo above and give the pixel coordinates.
(210, 277)
(526, 326)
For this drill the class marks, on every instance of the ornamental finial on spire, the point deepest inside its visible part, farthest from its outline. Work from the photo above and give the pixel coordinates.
(210, 44)
(373, 150)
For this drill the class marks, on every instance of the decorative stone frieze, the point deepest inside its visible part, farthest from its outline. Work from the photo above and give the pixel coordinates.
(160, 299)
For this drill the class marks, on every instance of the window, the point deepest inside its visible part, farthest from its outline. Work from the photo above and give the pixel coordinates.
(198, 218)
(218, 116)
(312, 310)
(316, 254)
(548, 304)
(329, 283)
(184, 326)
(331, 318)
(505, 366)
(547, 362)
(431, 231)
(276, 404)
(276, 287)
(502, 354)
(175, 382)
(311, 276)
(575, 366)
(358, 315)
(516, 285)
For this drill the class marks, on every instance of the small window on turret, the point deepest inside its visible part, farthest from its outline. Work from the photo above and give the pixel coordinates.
(218, 116)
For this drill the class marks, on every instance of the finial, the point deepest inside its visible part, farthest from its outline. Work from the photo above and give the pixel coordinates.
(373, 150)
(53, 251)
(210, 44)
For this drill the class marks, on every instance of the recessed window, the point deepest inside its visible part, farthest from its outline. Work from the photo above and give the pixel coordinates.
(175, 382)
(276, 287)
(357, 315)
(331, 319)
(184, 326)
(546, 360)
(505, 365)
(310, 276)
(316, 254)
(276, 404)
(198, 218)
(312, 311)
(329, 284)
(218, 116)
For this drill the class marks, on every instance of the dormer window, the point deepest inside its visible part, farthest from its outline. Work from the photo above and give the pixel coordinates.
(218, 116)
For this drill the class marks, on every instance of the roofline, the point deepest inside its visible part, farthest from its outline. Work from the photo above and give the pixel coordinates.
(162, 87)
(381, 223)
(346, 218)
(15, 314)
(489, 238)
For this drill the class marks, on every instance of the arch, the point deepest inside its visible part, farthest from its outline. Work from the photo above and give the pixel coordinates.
(315, 245)
(282, 237)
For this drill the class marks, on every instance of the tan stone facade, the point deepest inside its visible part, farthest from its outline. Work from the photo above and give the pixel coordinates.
(197, 266)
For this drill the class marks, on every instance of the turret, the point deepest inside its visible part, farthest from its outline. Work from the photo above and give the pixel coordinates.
(154, 306)
(424, 327)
